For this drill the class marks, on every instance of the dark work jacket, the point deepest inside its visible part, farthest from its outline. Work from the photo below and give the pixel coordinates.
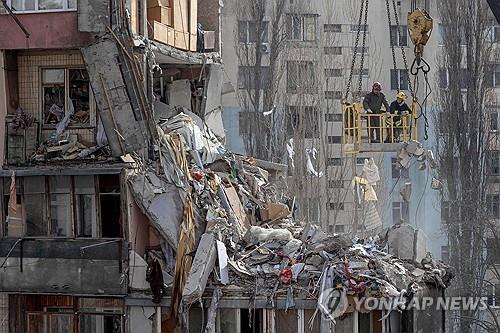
(374, 102)
(398, 109)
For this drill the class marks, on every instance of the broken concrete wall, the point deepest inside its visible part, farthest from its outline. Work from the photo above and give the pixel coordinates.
(179, 94)
(123, 123)
(203, 264)
(161, 203)
(212, 112)
(93, 15)
(141, 318)
(406, 242)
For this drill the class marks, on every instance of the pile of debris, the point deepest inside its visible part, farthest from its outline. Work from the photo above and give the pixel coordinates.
(70, 149)
(242, 228)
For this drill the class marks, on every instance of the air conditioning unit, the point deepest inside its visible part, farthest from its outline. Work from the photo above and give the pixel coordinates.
(265, 48)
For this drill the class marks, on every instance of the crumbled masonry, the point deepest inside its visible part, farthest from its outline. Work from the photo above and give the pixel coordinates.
(242, 218)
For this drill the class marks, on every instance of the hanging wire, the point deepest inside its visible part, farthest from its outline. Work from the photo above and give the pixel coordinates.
(356, 44)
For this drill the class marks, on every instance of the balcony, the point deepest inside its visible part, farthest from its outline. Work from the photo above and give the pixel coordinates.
(70, 266)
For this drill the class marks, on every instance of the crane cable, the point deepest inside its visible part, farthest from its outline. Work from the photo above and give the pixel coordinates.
(363, 11)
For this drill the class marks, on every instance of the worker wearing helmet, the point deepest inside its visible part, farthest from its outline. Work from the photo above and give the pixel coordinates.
(372, 104)
(394, 121)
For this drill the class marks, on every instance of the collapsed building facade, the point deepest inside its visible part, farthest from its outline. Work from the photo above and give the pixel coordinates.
(123, 212)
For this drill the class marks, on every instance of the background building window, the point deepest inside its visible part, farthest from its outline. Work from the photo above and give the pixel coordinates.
(333, 94)
(246, 77)
(332, 27)
(302, 119)
(493, 204)
(333, 50)
(336, 206)
(334, 161)
(398, 171)
(363, 27)
(445, 253)
(334, 139)
(300, 77)
(399, 35)
(333, 72)
(400, 212)
(333, 117)
(399, 79)
(247, 32)
(494, 127)
(336, 183)
(494, 162)
(301, 27)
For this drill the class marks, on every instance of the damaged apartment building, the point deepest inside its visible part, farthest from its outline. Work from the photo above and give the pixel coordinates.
(122, 211)
(82, 85)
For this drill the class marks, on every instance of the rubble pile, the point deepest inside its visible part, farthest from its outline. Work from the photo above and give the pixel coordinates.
(247, 241)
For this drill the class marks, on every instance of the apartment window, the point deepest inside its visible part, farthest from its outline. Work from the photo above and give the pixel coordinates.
(496, 76)
(443, 78)
(336, 206)
(247, 77)
(355, 27)
(400, 212)
(41, 5)
(399, 79)
(301, 27)
(445, 253)
(493, 294)
(64, 206)
(493, 204)
(247, 32)
(334, 139)
(363, 72)
(495, 34)
(60, 206)
(445, 211)
(398, 171)
(494, 162)
(493, 250)
(332, 27)
(247, 119)
(336, 183)
(66, 93)
(360, 161)
(300, 77)
(333, 50)
(494, 127)
(334, 161)
(399, 35)
(333, 72)
(360, 49)
(338, 229)
(333, 94)
(333, 117)
(302, 119)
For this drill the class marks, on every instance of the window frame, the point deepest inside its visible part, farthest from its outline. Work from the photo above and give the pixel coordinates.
(37, 10)
(304, 69)
(398, 29)
(248, 41)
(73, 233)
(301, 18)
(399, 74)
(92, 102)
(403, 208)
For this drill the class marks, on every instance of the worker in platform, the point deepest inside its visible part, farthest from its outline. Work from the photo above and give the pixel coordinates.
(372, 104)
(394, 120)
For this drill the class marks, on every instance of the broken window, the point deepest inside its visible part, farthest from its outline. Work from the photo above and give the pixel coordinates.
(66, 96)
(302, 119)
(60, 206)
(400, 212)
(14, 224)
(85, 206)
(109, 199)
(63, 206)
(35, 206)
(251, 321)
